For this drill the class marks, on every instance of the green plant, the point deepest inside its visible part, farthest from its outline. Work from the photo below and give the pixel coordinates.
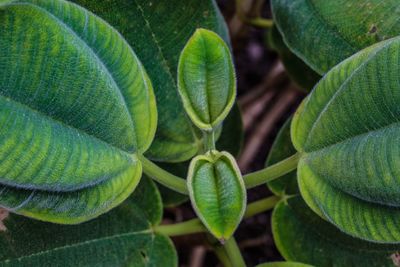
(84, 123)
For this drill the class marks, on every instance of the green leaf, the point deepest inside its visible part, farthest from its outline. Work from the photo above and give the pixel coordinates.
(303, 236)
(122, 237)
(347, 132)
(206, 79)
(158, 31)
(75, 106)
(217, 192)
(323, 33)
(283, 264)
(297, 70)
(281, 149)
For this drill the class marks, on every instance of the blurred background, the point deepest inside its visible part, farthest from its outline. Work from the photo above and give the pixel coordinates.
(267, 98)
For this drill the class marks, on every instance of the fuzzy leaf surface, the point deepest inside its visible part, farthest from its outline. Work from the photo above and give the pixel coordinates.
(158, 31)
(323, 33)
(75, 106)
(122, 237)
(348, 133)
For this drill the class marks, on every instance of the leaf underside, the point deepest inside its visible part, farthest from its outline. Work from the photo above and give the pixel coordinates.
(158, 31)
(75, 105)
(348, 133)
(323, 33)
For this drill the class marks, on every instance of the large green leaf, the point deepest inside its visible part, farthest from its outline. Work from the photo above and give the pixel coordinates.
(122, 237)
(158, 31)
(303, 236)
(217, 192)
(323, 33)
(75, 105)
(347, 132)
(297, 70)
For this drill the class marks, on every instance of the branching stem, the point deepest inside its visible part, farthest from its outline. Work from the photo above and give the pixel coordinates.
(184, 228)
(163, 177)
(271, 173)
(195, 226)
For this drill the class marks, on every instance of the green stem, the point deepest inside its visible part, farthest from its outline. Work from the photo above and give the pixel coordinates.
(257, 21)
(273, 172)
(233, 252)
(196, 226)
(222, 256)
(163, 177)
(209, 140)
(184, 228)
(260, 22)
(261, 206)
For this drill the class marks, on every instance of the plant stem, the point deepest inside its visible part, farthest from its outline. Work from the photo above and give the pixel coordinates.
(196, 226)
(163, 177)
(184, 228)
(257, 21)
(209, 140)
(222, 256)
(233, 252)
(260, 206)
(271, 173)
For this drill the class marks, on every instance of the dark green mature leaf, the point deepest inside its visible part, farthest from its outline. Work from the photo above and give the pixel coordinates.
(281, 149)
(158, 31)
(206, 79)
(297, 70)
(217, 192)
(348, 132)
(303, 236)
(75, 105)
(122, 237)
(323, 33)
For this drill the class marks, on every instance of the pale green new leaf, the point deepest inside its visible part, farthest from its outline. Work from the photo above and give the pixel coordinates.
(325, 32)
(158, 31)
(206, 79)
(348, 132)
(75, 105)
(217, 192)
(122, 237)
